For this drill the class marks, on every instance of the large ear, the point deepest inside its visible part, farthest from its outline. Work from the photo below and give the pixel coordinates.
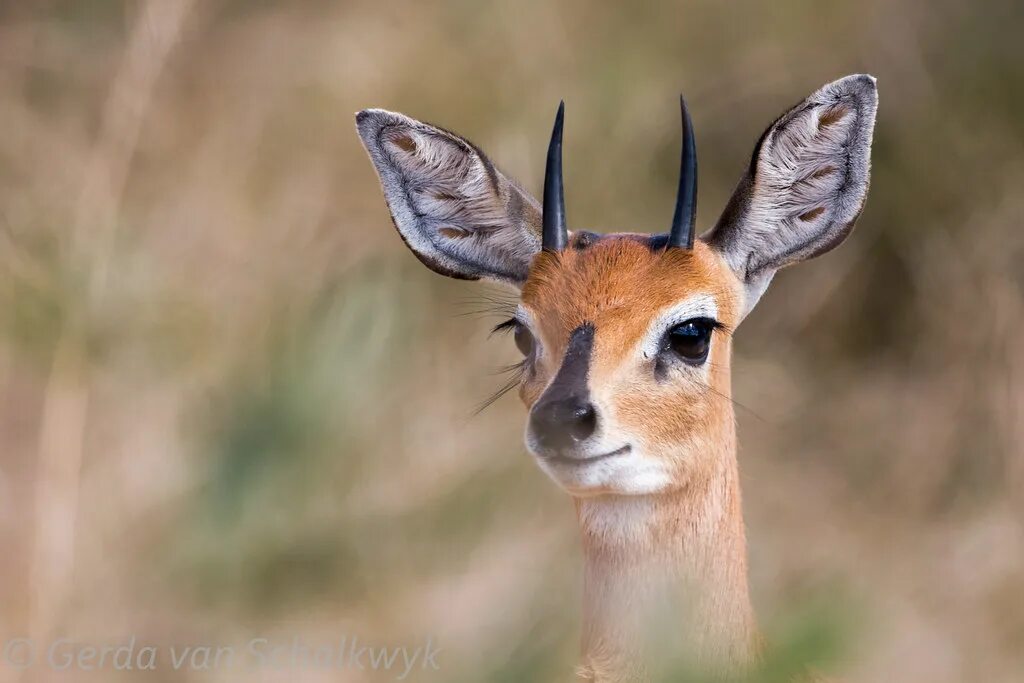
(806, 185)
(461, 216)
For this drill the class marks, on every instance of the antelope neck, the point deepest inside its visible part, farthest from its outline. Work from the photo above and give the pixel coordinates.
(669, 567)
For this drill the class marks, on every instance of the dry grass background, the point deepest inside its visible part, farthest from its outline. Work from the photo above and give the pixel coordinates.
(232, 404)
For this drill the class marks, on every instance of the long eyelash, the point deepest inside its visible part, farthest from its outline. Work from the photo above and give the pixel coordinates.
(721, 328)
(715, 325)
(506, 326)
(516, 369)
(512, 382)
(504, 369)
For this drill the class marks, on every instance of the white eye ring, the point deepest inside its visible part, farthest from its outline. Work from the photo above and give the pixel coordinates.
(700, 305)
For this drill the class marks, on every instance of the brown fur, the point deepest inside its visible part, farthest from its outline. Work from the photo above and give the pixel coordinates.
(690, 538)
(620, 284)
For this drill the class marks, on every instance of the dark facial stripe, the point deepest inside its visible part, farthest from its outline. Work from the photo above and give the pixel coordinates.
(571, 380)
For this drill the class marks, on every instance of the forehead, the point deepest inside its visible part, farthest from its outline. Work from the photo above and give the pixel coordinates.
(625, 279)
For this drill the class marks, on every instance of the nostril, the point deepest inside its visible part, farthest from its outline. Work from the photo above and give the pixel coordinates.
(560, 424)
(548, 430)
(584, 422)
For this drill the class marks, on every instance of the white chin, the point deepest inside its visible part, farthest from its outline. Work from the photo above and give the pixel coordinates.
(627, 474)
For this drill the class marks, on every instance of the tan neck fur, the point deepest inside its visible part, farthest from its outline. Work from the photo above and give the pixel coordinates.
(668, 571)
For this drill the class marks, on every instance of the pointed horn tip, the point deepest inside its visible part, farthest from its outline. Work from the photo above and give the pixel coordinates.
(682, 233)
(554, 232)
(683, 109)
(556, 133)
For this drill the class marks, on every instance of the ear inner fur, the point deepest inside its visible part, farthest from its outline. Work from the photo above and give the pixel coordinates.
(805, 187)
(454, 210)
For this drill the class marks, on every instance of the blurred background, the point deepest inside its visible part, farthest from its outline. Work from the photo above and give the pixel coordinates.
(232, 404)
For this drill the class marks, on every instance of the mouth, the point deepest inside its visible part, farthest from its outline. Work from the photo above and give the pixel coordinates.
(568, 460)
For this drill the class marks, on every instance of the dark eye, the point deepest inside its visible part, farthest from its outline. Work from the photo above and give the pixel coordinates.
(524, 340)
(692, 339)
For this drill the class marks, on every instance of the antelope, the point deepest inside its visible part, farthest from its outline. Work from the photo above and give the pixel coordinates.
(626, 341)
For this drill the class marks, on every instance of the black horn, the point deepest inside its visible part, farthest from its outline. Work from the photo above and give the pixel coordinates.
(555, 235)
(686, 201)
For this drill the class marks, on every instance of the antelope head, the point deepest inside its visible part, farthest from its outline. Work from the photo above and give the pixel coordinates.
(626, 337)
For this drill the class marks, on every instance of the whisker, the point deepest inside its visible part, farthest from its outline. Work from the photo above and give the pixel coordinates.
(498, 301)
(507, 368)
(708, 388)
(483, 313)
(508, 386)
(484, 307)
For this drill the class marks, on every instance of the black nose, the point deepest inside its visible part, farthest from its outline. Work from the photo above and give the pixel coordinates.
(563, 422)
